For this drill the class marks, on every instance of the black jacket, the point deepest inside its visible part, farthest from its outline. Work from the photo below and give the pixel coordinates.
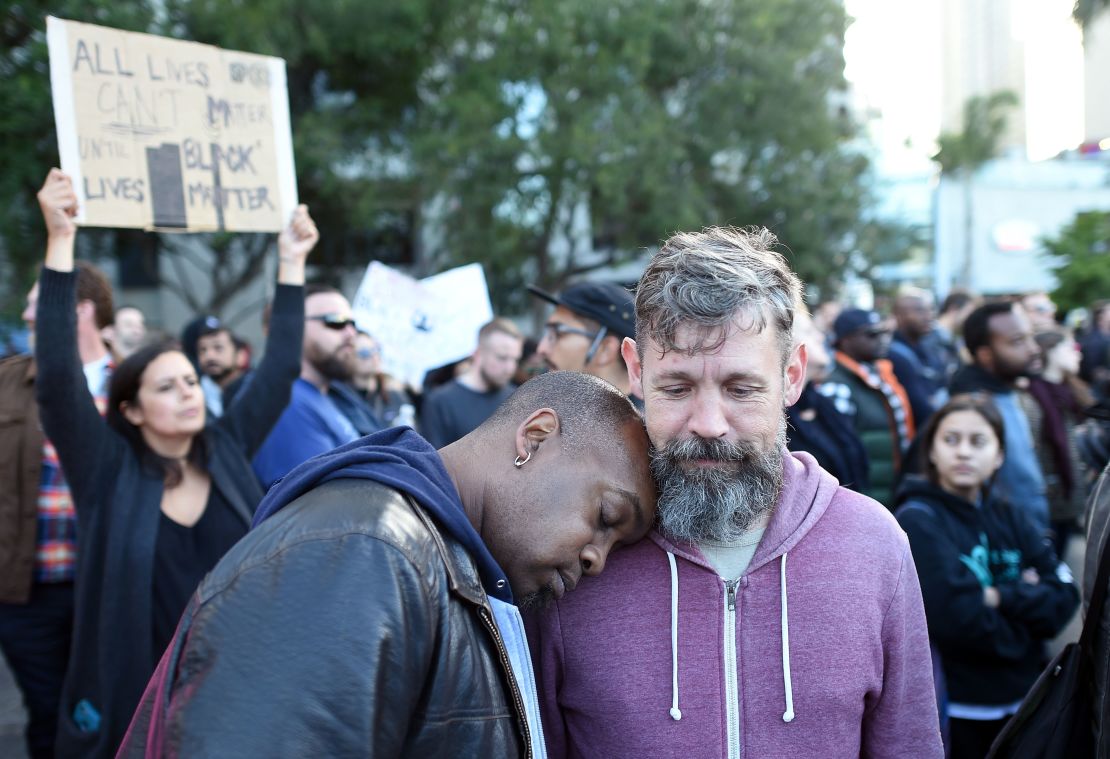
(817, 428)
(1098, 527)
(117, 501)
(990, 656)
(346, 624)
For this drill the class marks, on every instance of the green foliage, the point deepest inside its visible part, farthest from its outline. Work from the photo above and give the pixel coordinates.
(963, 153)
(505, 130)
(1082, 252)
(353, 70)
(30, 145)
(656, 116)
(1085, 11)
(977, 142)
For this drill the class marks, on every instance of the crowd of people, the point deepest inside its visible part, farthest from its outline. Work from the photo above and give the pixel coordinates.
(202, 553)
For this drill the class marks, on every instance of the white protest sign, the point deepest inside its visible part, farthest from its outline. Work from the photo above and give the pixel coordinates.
(422, 324)
(162, 133)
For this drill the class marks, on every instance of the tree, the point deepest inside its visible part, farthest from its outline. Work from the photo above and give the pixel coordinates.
(352, 70)
(542, 139)
(27, 127)
(647, 116)
(1082, 253)
(963, 153)
(354, 67)
(1085, 11)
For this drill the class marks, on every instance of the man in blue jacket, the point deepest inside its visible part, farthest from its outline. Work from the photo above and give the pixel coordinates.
(324, 412)
(372, 611)
(999, 338)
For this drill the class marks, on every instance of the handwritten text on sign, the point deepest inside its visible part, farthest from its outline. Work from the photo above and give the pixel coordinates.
(170, 134)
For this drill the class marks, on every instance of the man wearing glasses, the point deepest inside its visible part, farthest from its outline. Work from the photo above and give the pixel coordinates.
(863, 386)
(584, 332)
(324, 412)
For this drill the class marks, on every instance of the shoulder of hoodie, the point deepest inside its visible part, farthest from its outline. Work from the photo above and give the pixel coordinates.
(853, 520)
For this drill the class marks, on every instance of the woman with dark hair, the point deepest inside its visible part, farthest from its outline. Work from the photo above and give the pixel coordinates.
(994, 591)
(1055, 403)
(160, 495)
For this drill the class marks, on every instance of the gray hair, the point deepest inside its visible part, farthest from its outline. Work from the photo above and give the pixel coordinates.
(706, 279)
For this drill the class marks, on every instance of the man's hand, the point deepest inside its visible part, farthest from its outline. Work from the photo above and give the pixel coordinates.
(991, 597)
(1030, 576)
(298, 239)
(58, 202)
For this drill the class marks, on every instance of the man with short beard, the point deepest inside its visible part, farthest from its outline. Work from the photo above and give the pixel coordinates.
(217, 358)
(780, 612)
(324, 412)
(999, 337)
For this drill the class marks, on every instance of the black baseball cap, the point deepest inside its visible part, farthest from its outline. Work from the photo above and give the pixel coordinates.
(852, 320)
(607, 303)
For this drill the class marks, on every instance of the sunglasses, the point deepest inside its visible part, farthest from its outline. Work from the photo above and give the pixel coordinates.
(368, 352)
(333, 321)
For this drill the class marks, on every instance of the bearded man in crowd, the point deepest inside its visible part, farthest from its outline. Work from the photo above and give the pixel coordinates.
(826, 653)
(324, 411)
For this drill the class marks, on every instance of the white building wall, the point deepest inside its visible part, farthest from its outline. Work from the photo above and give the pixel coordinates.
(1014, 205)
(1096, 51)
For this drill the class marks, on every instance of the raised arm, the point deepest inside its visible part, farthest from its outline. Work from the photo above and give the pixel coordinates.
(255, 411)
(58, 201)
(69, 415)
(295, 242)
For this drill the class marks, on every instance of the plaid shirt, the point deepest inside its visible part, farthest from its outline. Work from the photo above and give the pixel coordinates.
(56, 529)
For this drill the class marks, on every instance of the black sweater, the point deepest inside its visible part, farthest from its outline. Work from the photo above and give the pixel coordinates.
(990, 656)
(118, 506)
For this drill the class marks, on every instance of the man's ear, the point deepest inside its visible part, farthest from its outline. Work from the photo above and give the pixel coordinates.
(984, 357)
(795, 374)
(635, 370)
(542, 424)
(607, 352)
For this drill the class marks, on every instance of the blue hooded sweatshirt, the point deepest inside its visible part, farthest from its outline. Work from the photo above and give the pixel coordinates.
(401, 459)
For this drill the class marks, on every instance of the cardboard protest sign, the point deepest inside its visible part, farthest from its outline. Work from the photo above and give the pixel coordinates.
(422, 324)
(161, 133)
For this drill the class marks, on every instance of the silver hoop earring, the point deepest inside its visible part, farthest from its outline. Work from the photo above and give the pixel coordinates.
(518, 463)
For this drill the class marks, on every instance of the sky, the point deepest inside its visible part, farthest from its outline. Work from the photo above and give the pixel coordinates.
(893, 57)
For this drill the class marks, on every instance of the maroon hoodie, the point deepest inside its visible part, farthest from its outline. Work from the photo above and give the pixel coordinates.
(820, 649)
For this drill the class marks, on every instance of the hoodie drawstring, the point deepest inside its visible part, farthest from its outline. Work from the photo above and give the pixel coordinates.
(788, 715)
(676, 713)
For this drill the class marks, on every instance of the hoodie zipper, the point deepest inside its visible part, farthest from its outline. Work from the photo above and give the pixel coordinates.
(507, 667)
(732, 700)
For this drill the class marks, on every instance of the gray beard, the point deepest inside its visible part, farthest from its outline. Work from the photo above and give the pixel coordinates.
(716, 504)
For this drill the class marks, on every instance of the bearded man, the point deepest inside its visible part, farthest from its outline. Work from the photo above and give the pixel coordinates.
(780, 612)
(324, 411)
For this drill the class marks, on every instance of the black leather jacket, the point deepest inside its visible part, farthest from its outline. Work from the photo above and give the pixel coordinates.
(346, 624)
